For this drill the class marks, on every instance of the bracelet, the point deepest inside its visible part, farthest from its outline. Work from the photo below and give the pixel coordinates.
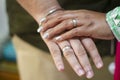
(52, 11)
(113, 19)
(44, 18)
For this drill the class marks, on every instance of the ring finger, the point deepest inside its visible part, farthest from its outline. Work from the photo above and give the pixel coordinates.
(71, 58)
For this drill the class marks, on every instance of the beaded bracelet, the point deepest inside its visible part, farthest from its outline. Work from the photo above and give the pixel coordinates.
(113, 19)
(44, 18)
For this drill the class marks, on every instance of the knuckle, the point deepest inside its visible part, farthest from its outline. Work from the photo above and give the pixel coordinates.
(87, 67)
(91, 47)
(85, 14)
(59, 18)
(75, 31)
(55, 53)
(96, 58)
(76, 66)
(66, 23)
(82, 53)
(68, 53)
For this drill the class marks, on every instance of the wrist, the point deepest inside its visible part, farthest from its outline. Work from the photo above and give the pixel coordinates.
(44, 18)
(44, 12)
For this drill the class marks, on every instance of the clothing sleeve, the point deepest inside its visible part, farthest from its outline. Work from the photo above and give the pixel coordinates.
(113, 19)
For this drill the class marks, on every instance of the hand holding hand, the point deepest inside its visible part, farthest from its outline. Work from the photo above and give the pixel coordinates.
(88, 23)
(75, 52)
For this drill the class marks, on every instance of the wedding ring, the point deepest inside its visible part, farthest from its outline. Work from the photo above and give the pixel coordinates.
(66, 48)
(74, 21)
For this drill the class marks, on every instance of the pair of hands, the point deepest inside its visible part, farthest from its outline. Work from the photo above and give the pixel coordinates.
(89, 24)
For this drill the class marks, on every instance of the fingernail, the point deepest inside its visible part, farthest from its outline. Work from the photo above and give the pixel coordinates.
(46, 35)
(99, 65)
(39, 29)
(42, 20)
(89, 74)
(80, 72)
(60, 68)
(58, 38)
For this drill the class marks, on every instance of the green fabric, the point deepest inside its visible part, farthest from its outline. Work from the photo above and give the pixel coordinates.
(113, 19)
(22, 24)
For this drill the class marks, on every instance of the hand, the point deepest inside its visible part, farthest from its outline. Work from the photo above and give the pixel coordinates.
(76, 55)
(37, 12)
(89, 23)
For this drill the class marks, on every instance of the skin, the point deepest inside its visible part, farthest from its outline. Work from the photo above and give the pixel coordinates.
(89, 24)
(76, 56)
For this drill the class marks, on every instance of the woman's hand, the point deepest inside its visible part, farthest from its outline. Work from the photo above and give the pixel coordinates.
(88, 23)
(76, 55)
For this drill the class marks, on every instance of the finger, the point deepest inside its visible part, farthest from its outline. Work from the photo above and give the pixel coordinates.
(65, 25)
(55, 19)
(83, 29)
(82, 57)
(56, 54)
(92, 50)
(52, 20)
(70, 34)
(71, 58)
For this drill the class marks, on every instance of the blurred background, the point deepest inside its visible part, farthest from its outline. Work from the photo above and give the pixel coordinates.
(8, 63)
(8, 67)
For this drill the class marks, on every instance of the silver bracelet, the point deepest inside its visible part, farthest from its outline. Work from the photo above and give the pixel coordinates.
(44, 18)
(52, 11)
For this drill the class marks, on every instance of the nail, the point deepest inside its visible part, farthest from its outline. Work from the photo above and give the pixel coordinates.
(61, 68)
(39, 29)
(42, 20)
(99, 65)
(89, 74)
(80, 72)
(45, 36)
(58, 38)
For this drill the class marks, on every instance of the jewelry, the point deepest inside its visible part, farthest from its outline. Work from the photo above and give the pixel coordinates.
(66, 48)
(74, 22)
(52, 11)
(44, 18)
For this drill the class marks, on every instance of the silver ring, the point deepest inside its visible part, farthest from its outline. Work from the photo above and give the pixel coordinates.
(74, 22)
(66, 48)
